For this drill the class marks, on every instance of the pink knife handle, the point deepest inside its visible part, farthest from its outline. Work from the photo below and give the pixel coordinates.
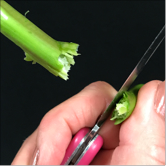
(74, 143)
(90, 153)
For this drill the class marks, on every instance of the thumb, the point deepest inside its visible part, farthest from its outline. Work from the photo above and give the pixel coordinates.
(142, 136)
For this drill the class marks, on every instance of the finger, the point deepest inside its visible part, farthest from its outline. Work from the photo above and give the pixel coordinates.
(24, 155)
(103, 157)
(57, 127)
(142, 135)
(110, 134)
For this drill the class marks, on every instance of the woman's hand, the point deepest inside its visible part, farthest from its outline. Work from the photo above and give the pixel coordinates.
(139, 140)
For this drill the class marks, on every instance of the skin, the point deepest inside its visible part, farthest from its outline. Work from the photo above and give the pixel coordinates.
(138, 140)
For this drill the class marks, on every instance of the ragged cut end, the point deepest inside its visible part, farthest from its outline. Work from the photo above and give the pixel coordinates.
(121, 110)
(122, 107)
(68, 51)
(66, 59)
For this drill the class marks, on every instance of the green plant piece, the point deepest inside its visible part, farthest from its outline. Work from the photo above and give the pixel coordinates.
(55, 56)
(126, 105)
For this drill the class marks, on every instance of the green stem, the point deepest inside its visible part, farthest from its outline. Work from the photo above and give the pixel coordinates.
(126, 105)
(55, 56)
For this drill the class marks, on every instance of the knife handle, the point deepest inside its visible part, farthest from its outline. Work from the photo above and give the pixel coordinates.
(90, 151)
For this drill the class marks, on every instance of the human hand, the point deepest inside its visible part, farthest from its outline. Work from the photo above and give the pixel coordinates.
(139, 140)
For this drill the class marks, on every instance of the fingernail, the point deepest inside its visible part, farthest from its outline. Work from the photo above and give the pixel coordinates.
(35, 157)
(160, 99)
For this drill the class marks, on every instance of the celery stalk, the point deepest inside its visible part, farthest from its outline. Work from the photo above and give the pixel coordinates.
(39, 47)
(126, 105)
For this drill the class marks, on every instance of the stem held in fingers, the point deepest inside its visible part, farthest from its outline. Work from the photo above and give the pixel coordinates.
(126, 105)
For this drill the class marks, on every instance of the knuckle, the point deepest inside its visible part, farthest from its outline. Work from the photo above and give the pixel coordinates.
(46, 122)
(99, 84)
